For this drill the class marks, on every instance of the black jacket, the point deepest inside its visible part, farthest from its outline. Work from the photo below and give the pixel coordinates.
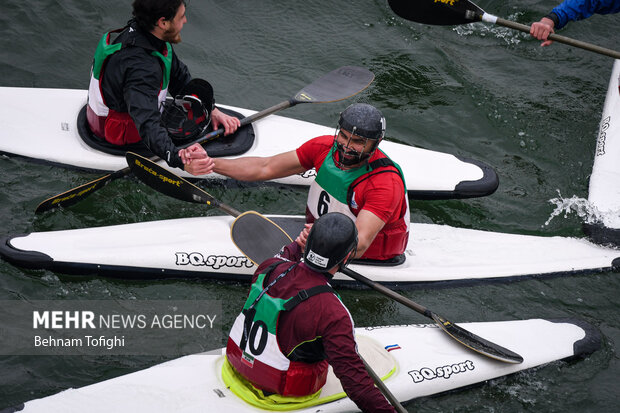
(131, 83)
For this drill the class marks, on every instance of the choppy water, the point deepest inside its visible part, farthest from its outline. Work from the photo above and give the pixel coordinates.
(479, 91)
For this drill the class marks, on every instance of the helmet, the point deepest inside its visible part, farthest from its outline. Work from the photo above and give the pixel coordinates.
(364, 121)
(187, 116)
(331, 238)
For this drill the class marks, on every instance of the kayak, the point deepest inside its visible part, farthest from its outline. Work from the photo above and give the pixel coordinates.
(59, 137)
(435, 254)
(419, 360)
(604, 191)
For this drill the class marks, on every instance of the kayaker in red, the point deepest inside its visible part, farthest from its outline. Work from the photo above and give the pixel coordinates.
(354, 177)
(277, 346)
(131, 77)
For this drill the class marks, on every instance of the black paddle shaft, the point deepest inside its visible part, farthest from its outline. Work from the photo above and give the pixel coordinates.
(260, 238)
(467, 338)
(339, 84)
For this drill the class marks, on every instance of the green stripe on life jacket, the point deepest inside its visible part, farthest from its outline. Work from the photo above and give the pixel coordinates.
(105, 50)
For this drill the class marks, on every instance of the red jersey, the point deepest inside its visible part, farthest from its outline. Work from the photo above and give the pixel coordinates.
(383, 194)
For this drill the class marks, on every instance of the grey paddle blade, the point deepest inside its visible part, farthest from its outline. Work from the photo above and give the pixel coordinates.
(257, 236)
(476, 343)
(336, 85)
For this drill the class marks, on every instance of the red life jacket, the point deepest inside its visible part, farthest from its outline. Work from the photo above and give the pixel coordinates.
(253, 349)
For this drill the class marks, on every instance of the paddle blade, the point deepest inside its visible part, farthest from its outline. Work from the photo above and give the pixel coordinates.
(437, 12)
(336, 85)
(165, 181)
(258, 237)
(476, 343)
(73, 196)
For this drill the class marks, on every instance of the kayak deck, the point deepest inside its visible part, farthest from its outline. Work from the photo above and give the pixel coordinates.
(435, 254)
(428, 362)
(55, 139)
(604, 190)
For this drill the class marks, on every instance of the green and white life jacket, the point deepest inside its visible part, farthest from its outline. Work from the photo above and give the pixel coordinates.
(333, 190)
(97, 112)
(253, 348)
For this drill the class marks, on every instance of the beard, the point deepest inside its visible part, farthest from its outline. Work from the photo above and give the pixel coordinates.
(172, 36)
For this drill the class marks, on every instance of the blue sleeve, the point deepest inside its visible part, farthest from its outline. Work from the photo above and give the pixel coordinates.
(572, 10)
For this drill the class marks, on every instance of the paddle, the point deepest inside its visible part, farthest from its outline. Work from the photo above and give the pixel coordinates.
(334, 86)
(383, 388)
(467, 338)
(455, 12)
(170, 184)
(246, 226)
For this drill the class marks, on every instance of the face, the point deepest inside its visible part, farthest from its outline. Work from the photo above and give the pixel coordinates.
(353, 145)
(172, 28)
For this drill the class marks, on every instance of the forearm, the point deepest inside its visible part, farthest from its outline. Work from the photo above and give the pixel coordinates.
(249, 169)
(253, 168)
(152, 133)
(368, 226)
(355, 380)
(140, 94)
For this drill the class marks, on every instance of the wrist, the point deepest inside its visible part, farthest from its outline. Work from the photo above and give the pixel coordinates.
(551, 19)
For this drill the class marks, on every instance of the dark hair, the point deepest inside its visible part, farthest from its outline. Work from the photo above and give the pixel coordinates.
(147, 12)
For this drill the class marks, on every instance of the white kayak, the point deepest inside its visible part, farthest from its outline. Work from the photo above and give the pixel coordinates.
(419, 360)
(55, 138)
(604, 192)
(203, 249)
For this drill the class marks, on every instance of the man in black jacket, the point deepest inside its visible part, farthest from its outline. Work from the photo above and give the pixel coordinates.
(131, 77)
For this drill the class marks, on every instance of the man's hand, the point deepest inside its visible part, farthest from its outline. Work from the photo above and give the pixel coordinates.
(220, 119)
(542, 29)
(196, 161)
(302, 238)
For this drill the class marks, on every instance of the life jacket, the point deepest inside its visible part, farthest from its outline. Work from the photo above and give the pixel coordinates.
(253, 349)
(333, 190)
(117, 127)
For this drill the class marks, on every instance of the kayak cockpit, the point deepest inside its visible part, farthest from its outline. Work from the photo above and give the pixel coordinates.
(235, 144)
(379, 359)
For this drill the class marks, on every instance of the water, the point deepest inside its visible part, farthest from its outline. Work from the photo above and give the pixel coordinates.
(479, 91)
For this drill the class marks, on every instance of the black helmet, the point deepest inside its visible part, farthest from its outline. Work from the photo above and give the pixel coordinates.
(187, 116)
(365, 121)
(331, 238)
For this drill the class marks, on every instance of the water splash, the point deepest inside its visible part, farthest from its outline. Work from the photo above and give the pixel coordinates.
(581, 206)
(481, 29)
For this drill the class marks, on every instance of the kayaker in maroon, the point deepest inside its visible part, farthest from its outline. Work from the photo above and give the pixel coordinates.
(320, 327)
